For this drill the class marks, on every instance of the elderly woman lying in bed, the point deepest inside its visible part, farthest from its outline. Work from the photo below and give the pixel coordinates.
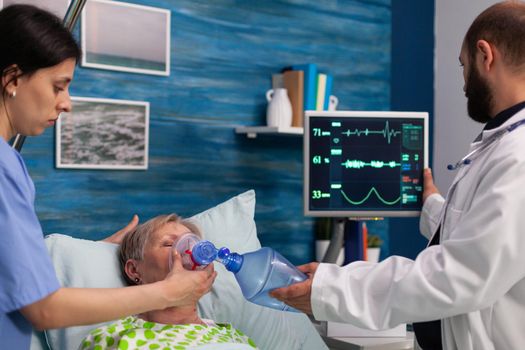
(144, 256)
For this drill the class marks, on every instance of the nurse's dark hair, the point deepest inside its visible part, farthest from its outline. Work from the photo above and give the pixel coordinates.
(32, 39)
(502, 25)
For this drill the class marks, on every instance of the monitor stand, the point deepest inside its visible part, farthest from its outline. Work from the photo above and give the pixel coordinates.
(336, 240)
(347, 232)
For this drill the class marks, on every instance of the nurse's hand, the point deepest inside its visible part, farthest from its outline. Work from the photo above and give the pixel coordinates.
(428, 184)
(184, 287)
(119, 235)
(298, 295)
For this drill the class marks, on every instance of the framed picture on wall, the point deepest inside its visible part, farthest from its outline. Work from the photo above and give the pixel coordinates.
(126, 37)
(57, 7)
(103, 134)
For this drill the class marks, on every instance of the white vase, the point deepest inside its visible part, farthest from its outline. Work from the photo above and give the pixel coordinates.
(333, 101)
(321, 246)
(279, 110)
(372, 254)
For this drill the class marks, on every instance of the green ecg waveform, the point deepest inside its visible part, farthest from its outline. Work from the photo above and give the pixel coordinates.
(368, 195)
(386, 132)
(358, 164)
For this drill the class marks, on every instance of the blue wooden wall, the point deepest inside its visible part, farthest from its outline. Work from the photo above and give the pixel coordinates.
(412, 84)
(223, 53)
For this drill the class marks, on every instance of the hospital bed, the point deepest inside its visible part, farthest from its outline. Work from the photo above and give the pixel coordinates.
(84, 263)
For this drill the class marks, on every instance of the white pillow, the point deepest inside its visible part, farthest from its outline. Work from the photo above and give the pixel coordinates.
(84, 263)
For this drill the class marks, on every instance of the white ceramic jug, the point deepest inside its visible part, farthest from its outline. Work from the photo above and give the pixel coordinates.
(333, 102)
(279, 110)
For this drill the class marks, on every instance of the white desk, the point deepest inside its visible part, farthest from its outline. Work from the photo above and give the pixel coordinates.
(339, 343)
(365, 343)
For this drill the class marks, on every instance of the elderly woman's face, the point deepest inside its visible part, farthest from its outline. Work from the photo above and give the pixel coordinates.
(155, 267)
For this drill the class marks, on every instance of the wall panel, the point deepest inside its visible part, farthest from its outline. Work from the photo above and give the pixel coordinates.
(222, 56)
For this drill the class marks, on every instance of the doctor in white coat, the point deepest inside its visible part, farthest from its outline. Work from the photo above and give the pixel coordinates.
(471, 278)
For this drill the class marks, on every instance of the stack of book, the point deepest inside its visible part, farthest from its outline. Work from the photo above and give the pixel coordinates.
(308, 89)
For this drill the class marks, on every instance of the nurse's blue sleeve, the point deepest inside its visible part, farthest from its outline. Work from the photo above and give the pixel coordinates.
(26, 272)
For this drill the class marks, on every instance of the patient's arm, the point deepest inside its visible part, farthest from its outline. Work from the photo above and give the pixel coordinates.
(119, 235)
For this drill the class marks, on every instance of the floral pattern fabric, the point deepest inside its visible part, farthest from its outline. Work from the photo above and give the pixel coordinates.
(134, 333)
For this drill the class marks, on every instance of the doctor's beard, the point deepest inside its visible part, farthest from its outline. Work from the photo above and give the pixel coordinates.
(479, 97)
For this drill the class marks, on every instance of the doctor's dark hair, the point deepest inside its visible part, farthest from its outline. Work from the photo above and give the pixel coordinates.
(133, 244)
(32, 39)
(502, 25)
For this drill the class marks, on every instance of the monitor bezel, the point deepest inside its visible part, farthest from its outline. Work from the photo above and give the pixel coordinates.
(358, 214)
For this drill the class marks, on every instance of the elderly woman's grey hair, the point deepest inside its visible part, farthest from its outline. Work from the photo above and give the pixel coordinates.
(132, 246)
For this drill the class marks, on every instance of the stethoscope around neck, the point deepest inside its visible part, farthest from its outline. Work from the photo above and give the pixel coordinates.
(466, 160)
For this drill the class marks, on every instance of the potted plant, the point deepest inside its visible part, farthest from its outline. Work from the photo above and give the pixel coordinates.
(374, 243)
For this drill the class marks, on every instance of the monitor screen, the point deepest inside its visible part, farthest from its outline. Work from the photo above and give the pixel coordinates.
(364, 164)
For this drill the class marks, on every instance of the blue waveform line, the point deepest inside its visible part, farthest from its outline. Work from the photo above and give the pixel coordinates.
(358, 164)
(386, 132)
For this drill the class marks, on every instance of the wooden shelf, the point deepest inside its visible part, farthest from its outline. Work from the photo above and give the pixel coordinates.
(252, 131)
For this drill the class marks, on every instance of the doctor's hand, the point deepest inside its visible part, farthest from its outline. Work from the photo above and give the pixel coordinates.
(428, 184)
(118, 236)
(298, 295)
(184, 287)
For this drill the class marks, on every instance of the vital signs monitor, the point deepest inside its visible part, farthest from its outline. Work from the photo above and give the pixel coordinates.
(364, 164)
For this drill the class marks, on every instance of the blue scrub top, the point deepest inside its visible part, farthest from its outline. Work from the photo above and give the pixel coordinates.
(26, 272)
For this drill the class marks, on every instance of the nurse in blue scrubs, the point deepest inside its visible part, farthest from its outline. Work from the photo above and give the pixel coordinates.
(37, 62)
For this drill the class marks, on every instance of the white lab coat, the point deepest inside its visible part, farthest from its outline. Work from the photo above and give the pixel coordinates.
(474, 280)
